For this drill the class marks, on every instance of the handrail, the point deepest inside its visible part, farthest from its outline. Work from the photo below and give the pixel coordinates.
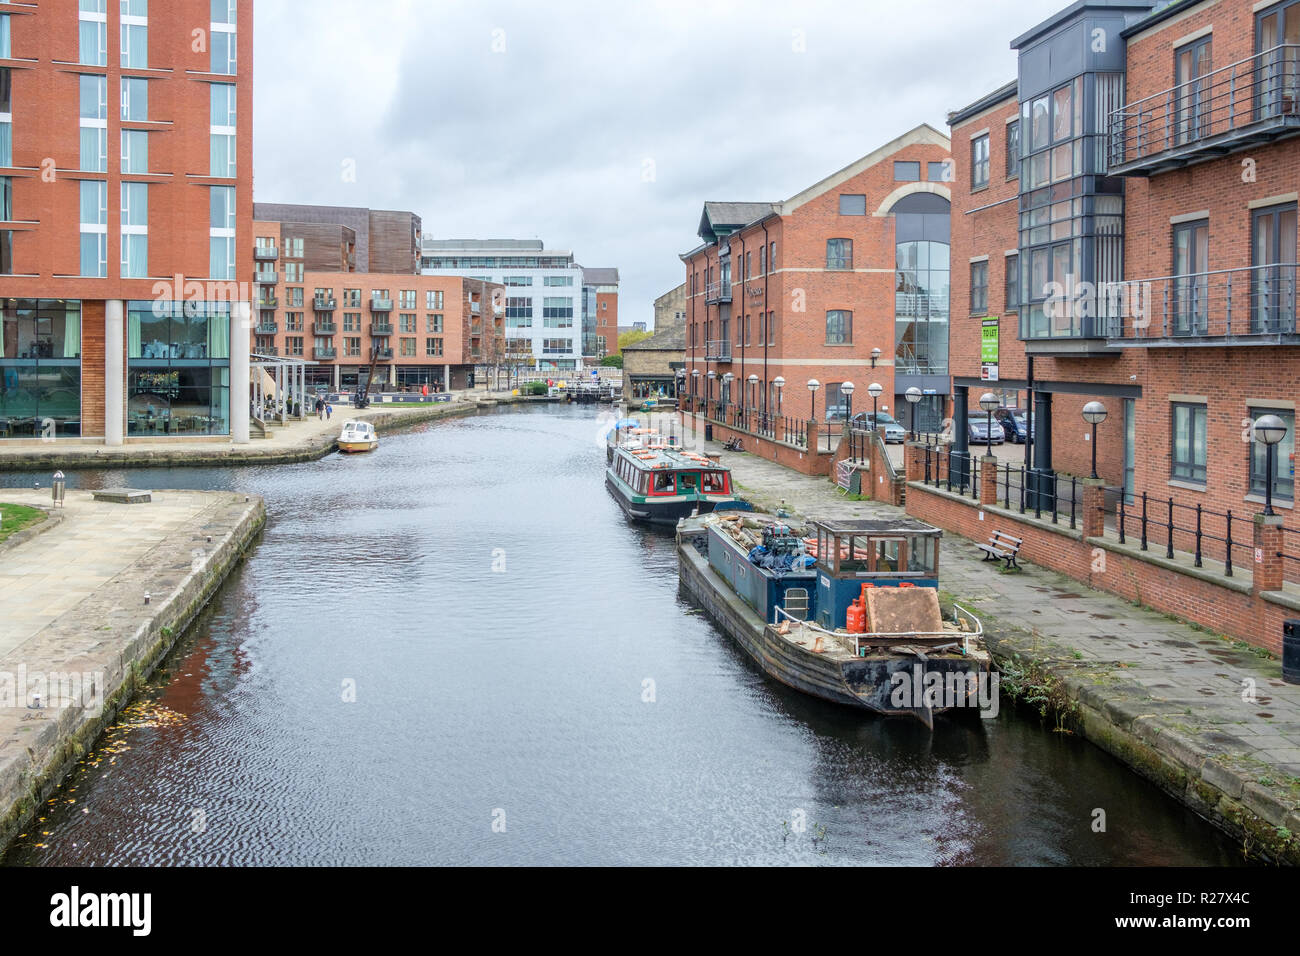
(957, 610)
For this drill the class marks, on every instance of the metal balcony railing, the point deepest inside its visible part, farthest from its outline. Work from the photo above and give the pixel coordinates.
(265, 276)
(324, 353)
(381, 328)
(717, 292)
(385, 353)
(324, 328)
(380, 305)
(1252, 100)
(266, 301)
(718, 350)
(323, 303)
(267, 328)
(1256, 306)
(266, 350)
(266, 253)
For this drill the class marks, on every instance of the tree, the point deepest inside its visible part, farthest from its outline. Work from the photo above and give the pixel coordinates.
(631, 338)
(612, 361)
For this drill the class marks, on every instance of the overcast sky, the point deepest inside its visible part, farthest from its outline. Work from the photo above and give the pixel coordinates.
(602, 127)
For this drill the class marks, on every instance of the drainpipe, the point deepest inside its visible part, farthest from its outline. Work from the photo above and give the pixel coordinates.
(744, 338)
(767, 308)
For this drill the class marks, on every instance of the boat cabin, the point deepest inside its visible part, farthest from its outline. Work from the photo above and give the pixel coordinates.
(657, 471)
(884, 552)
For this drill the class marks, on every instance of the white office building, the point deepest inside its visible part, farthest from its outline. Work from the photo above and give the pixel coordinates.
(543, 292)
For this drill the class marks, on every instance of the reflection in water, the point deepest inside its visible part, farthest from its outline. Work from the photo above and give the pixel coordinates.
(459, 629)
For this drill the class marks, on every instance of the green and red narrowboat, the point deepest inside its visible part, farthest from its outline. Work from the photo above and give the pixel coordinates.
(658, 482)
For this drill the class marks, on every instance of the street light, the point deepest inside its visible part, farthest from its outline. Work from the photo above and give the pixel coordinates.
(1094, 413)
(813, 385)
(875, 389)
(989, 402)
(875, 356)
(913, 395)
(778, 383)
(846, 389)
(753, 381)
(1270, 430)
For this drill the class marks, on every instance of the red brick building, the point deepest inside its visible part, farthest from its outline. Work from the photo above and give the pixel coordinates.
(125, 218)
(340, 287)
(599, 313)
(845, 281)
(1126, 213)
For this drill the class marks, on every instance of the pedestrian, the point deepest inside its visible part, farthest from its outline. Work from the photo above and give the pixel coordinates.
(329, 411)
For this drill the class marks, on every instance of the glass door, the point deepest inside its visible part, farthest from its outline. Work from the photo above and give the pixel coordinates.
(1191, 263)
(1273, 276)
(1130, 449)
(1277, 43)
(1191, 65)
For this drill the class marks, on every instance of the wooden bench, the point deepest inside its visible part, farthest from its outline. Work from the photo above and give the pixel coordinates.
(1002, 547)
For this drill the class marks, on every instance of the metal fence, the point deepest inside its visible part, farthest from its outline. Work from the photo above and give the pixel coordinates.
(1189, 528)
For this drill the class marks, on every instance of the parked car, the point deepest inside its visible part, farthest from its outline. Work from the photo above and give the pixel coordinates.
(979, 432)
(1014, 424)
(837, 411)
(893, 432)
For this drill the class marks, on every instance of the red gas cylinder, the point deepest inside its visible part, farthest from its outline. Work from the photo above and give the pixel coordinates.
(856, 619)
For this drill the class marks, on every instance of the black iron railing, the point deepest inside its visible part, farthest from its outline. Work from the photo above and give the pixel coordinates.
(1178, 527)
(1024, 490)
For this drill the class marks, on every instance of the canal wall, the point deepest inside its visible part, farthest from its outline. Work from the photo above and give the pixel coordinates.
(110, 633)
(297, 442)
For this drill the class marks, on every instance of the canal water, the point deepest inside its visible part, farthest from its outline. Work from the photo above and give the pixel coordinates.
(456, 650)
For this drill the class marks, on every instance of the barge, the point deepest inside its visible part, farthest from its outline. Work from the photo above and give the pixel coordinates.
(657, 481)
(850, 614)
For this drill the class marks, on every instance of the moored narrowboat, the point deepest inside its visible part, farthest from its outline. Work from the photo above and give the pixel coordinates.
(849, 614)
(659, 482)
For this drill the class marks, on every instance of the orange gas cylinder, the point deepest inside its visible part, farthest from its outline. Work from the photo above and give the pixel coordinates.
(856, 619)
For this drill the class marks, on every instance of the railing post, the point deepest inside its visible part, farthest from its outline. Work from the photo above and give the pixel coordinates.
(1198, 535)
(1144, 521)
(988, 484)
(1227, 312)
(1169, 550)
(1073, 497)
(1094, 508)
(1007, 501)
(1227, 558)
(1121, 516)
(1022, 486)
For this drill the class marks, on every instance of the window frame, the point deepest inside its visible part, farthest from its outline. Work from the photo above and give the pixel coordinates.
(1186, 471)
(978, 182)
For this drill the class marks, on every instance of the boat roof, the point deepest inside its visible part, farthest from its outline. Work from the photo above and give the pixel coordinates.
(662, 456)
(878, 526)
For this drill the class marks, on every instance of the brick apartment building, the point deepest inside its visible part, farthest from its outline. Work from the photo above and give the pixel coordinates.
(599, 313)
(845, 281)
(1146, 152)
(126, 165)
(341, 286)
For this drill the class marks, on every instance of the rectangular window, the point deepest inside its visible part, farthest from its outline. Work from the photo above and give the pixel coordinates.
(906, 171)
(1277, 63)
(940, 172)
(406, 323)
(223, 11)
(433, 347)
(293, 272)
(293, 321)
(762, 264)
(1189, 446)
(1273, 269)
(223, 51)
(1191, 247)
(406, 348)
(1283, 479)
(221, 155)
(556, 281)
(433, 299)
(6, 42)
(851, 205)
(839, 327)
(557, 312)
(135, 230)
(135, 151)
(135, 46)
(222, 99)
(293, 247)
(294, 296)
(518, 280)
(979, 162)
(94, 97)
(979, 288)
(92, 37)
(351, 346)
(351, 321)
(221, 232)
(135, 99)
(1191, 106)
(1013, 284)
(94, 149)
(352, 298)
(839, 254)
(433, 323)
(94, 228)
(1013, 149)
(6, 199)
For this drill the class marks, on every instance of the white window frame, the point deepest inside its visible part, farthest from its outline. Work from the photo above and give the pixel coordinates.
(99, 229)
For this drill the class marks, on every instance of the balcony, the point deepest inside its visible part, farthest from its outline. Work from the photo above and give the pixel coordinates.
(266, 276)
(268, 350)
(324, 353)
(1239, 106)
(381, 328)
(383, 353)
(717, 292)
(266, 253)
(321, 304)
(265, 327)
(719, 350)
(323, 328)
(1254, 306)
(267, 301)
(381, 305)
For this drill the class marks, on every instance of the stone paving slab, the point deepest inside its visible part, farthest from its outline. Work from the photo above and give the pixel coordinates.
(1148, 688)
(75, 626)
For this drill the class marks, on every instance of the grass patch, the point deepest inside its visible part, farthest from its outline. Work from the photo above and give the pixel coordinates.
(14, 518)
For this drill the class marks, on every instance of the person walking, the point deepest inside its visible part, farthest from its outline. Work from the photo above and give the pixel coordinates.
(329, 411)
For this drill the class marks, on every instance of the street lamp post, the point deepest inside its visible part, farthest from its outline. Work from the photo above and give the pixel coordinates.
(708, 386)
(695, 389)
(875, 356)
(913, 395)
(874, 390)
(1270, 430)
(846, 389)
(753, 391)
(990, 402)
(1094, 413)
(778, 383)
